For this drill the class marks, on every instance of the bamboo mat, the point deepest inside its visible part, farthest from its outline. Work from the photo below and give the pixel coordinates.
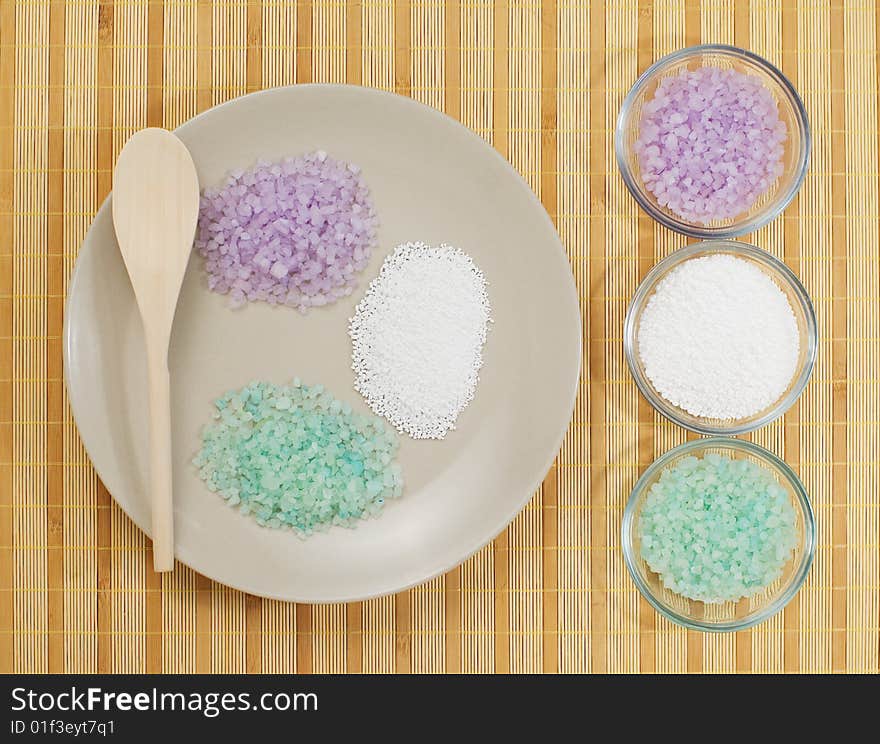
(542, 81)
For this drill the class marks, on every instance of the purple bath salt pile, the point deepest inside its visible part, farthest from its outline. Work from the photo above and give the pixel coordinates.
(294, 232)
(710, 143)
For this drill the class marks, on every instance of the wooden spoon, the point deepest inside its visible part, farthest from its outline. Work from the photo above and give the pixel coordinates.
(155, 207)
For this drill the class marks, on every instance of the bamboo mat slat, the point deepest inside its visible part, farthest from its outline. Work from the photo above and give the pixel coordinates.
(542, 81)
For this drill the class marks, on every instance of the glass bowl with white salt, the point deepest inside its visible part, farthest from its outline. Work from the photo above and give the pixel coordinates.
(718, 534)
(721, 337)
(713, 141)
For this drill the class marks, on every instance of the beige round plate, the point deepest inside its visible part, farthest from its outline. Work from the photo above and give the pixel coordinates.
(432, 180)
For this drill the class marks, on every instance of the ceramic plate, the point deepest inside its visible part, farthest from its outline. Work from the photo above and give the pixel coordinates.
(432, 180)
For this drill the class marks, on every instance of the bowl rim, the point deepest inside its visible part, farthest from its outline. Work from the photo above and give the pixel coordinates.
(773, 209)
(645, 290)
(808, 547)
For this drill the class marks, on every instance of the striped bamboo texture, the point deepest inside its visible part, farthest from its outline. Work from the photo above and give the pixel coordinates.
(541, 80)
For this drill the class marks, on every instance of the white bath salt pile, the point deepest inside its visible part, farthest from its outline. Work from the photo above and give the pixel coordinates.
(718, 338)
(417, 338)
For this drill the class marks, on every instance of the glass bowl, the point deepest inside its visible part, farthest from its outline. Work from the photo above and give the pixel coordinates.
(791, 110)
(800, 305)
(727, 616)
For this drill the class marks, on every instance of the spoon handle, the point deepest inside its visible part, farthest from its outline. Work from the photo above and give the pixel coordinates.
(160, 460)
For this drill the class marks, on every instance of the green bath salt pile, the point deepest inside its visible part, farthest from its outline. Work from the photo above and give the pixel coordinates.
(294, 456)
(717, 529)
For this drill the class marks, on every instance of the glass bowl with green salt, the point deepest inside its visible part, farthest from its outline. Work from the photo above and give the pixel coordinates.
(718, 534)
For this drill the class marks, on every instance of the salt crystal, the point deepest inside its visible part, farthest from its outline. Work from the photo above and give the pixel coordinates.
(417, 338)
(717, 529)
(722, 120)
(718, 338)
(296, 471)
(261, 217)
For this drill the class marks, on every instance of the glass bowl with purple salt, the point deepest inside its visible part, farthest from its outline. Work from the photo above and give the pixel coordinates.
(713, 141)
(718, 534)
